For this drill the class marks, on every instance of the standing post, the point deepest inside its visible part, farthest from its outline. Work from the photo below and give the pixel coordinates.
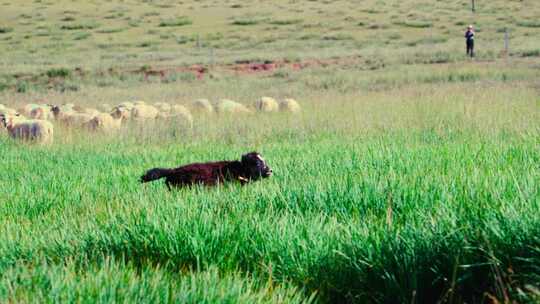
(506, 41)
(472, 6)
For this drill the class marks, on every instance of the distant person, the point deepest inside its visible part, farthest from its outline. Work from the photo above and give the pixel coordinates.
(469, 36)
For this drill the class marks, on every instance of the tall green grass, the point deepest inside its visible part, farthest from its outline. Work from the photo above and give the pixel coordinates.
(432, 196)
(110, 281)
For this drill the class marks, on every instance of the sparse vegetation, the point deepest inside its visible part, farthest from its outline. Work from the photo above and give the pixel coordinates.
(79, 26)
(81, 35)
(68, 19)
(4, 30)
(416, 24)
(285, 21)
(58, 72)
(181, 21)
(245, 22)
(530, 53)
(338, 37)
(529, 23)
(430, 40)
(111, 30)
(146, 44)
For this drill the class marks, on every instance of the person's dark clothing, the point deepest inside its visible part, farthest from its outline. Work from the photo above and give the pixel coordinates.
(469, 35)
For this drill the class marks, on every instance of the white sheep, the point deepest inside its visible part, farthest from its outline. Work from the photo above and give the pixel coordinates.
(142, 112)
(103, 122)
(90, 111)
(76, 119)
(38, 131)
(8, 111)
(42, 112)
(177, 114)
(163, 106)
(180, 109)
(289, 105)
(202, 106)
(122, 113)
(230, 106)
(6, 114)
(70, 117)
(267, 104)
(59, 111)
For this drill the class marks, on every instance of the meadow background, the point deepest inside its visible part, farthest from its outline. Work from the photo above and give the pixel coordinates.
(411, 175)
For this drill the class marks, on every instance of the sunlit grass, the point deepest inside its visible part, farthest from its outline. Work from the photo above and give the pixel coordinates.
(427, 196)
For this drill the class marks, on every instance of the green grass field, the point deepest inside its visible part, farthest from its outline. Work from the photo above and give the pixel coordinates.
(411, 175)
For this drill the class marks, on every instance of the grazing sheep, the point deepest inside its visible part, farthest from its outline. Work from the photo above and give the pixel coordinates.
(177, 114)
(103, 122)
(176, 120)
(162, 106)
(76, 119)
(180, 110)
(202, 106)
(251, 167)
(60, 111)
(38, 113)
(7, 115)
(229, 106)
(71, 118)
(289, 105)
(267, 104)
(90, 111)
(8, 112)
(42, 112)
(38, 131)
(141, 112)
(122, 113)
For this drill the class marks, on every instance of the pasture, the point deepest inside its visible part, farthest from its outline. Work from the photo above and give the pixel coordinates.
(411, 173)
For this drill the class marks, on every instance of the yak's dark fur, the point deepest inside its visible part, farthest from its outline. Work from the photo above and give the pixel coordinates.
(250, 168)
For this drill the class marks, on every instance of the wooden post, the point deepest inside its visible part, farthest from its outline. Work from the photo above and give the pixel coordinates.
(506, 41)
(472, 6)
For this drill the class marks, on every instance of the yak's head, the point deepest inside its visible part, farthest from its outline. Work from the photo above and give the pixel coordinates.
(255, 166)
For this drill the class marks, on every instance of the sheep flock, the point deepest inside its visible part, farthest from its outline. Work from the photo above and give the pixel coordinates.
(35, 122)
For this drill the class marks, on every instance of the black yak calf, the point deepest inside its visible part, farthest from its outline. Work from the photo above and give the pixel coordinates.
(250, 168)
